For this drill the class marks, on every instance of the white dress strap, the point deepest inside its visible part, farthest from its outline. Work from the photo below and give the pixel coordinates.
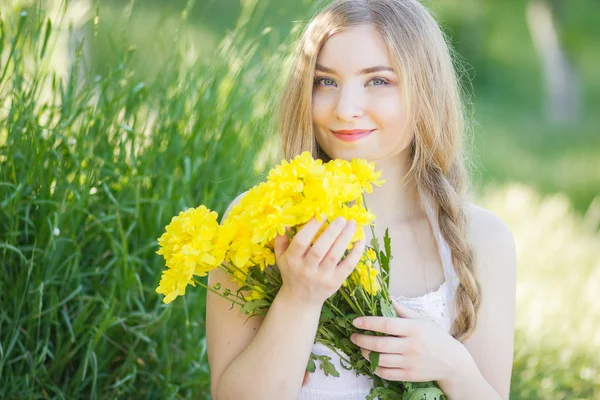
(444, 249)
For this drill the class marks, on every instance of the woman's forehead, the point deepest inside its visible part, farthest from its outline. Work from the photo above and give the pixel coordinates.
(354, 49)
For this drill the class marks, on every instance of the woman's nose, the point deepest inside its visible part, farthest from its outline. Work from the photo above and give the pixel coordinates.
(349, 105)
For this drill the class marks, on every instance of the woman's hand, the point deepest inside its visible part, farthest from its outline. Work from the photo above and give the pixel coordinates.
(417, 350)
(311, 274)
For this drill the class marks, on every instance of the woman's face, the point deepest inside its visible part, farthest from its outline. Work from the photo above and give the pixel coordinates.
(357, 106)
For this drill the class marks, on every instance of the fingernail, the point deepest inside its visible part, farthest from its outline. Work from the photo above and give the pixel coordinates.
(357, 322)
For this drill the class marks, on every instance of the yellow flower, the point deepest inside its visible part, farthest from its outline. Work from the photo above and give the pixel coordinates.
(273, 221)
(173, 283)
(371, 255)
(360, 215)
(301, 167)
(256, 294)
(343, 181)
(227, 233)
(239, 278)
(187, 247)
(240, 252)
(365, 174)
(197, 225)
(263, 257)
(294, 192)
(366, 277)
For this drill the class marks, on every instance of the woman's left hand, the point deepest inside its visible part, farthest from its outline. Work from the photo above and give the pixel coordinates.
(417, 350)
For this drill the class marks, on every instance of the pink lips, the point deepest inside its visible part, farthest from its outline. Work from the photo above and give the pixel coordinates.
(352, 135)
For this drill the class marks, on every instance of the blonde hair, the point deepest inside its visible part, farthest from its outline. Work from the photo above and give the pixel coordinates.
(434, 113)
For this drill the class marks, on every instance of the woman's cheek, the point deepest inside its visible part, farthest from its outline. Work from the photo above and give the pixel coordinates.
(389, 110)
(320, 108)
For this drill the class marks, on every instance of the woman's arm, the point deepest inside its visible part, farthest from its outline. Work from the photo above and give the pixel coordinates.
(488, 373)
(258, 357)
(269, 363)
(251, 363)
(419, 350)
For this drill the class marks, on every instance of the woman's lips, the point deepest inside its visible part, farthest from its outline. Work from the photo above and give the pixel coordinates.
(351, 136)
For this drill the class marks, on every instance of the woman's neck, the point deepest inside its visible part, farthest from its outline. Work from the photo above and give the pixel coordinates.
(396, 201)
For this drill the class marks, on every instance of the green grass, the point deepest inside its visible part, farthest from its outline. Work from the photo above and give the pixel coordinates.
(558, 279)
(92, 168)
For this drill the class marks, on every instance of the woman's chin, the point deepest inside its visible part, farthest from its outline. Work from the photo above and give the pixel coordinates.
(349, 154)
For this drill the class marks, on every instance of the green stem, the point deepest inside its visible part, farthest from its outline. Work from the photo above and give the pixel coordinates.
(351, 303)
(335, 350)
(325, 333)
(216, 292)
(330, 304)
(371, 303)
(273, 278)
(252, 281)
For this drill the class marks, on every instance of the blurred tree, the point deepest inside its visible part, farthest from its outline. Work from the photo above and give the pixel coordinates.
(563, 104)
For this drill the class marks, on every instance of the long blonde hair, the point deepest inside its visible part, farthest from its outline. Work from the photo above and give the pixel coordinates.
(434, 112)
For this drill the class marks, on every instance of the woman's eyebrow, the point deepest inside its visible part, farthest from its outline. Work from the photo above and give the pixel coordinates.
(364, 71)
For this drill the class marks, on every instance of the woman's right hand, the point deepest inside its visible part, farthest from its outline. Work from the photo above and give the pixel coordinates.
(311, 274)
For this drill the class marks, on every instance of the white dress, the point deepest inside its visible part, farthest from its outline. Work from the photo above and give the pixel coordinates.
(437, 305)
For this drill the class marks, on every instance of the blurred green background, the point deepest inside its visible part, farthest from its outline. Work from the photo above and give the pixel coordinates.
(116, 115)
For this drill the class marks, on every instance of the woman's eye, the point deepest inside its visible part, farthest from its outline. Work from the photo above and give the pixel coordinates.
(328, 82)
(378, 81)
(324, 81)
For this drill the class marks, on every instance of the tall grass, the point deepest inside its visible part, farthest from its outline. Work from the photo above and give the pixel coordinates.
(91, 170)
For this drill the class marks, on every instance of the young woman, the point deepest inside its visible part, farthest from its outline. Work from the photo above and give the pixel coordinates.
(374, 79)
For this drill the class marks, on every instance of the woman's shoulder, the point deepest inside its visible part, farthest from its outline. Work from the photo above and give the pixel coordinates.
(481, 221)
(492, 242)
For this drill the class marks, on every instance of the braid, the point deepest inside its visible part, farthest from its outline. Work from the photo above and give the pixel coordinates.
(445, 193)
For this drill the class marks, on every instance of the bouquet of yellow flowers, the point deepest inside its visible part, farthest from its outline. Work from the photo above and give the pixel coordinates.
(243, 246)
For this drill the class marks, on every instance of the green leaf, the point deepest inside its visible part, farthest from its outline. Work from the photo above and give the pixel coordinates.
(347, 343)
(326, 314)
(374, 243)
(252, 305)
(46, 37)
(374, 358)
(311, 367)
(387, 244)
(327, 367)
(341, 321)
(385, 267)
(431, 393)
(387, 309)
(382, 393)
(361, 365)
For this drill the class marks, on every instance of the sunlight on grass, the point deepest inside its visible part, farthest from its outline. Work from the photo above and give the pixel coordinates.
(558, 308)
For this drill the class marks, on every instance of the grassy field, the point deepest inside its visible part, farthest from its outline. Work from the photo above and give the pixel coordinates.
(92, 167)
